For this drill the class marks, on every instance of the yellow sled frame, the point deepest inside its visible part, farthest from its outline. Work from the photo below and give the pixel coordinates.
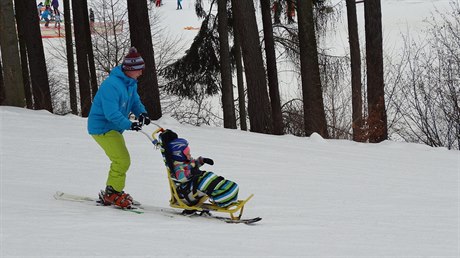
(234, 210)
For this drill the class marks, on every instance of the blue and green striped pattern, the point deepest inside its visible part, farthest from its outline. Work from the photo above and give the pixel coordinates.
(223, 192)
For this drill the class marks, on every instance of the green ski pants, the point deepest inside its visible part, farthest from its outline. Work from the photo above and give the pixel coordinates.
(114, 146)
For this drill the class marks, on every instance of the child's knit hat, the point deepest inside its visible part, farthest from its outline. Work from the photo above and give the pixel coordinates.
(133, 61)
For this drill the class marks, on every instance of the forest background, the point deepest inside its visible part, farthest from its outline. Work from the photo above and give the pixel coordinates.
(420, 72)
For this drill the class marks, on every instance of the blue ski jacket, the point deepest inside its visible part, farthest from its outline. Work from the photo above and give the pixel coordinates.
(116, 98)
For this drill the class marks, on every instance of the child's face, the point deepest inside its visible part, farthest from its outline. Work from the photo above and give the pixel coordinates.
(187, 153)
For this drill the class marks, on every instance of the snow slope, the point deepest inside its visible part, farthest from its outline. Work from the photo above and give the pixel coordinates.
(317, 197)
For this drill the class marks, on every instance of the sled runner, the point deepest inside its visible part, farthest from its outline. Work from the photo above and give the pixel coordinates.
(194, 201)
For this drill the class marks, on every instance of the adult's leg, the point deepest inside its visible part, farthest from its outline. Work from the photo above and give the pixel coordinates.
(114, 146)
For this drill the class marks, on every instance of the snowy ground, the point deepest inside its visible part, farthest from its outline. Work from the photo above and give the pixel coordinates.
(318, 198)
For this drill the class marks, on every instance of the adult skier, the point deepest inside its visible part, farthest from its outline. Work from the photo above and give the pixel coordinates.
(116, 98)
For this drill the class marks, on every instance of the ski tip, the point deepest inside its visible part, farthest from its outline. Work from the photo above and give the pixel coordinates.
(254, 220)
(244, 221)
(58, 194)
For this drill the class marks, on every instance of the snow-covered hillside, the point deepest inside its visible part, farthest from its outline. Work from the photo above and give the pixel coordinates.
(317, 197)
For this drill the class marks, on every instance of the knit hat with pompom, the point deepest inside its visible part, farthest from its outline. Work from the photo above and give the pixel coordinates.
(133, 61)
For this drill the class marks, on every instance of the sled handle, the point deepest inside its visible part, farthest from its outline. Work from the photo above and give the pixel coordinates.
(155, 140)
(147, 135)
(152, 138)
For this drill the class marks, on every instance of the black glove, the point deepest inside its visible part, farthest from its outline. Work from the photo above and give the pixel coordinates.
(144, 119)
(208, 161)
(136, 126)
(196, 172)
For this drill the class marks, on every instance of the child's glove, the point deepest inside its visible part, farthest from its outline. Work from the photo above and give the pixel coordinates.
(196, 172)
(208, 161)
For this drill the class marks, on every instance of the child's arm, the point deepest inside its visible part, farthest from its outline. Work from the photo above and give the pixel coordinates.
(182, 171)
(201, 161)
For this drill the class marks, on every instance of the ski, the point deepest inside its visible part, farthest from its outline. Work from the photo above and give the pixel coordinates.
(140, 209)
(207, 214)
(237, 221)
(136, 208)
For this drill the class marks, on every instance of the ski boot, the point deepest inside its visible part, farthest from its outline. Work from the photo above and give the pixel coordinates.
(112, 197)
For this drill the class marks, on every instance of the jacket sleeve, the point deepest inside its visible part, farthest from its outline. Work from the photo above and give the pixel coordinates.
(110, 99)
(182, 171)
(199, 162)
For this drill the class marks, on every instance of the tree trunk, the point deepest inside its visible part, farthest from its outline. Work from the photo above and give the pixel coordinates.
(25, 69)
(239, 78)
(290, 11)
(355, 55)
(78, 11)
(2, 84)
(89, 51)
(225, 69)
(258, 102)
(272, 70)
(314, 115)
(24, 62)
(70, 59)
(377, 118)
(277, 8)
(13, 83)
(141, 38)
(27, 13)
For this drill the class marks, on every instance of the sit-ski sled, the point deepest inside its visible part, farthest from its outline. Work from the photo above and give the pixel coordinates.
(204, 204)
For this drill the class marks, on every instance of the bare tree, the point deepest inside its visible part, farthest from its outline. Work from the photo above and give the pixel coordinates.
(89, 53)
(225, 69)
(80, 14)
(141, 38)
(240, 81)
(27, 13)
(196, 111)
(315, 118)
(336, 94)
(258, 102)
(24, 62)
(70, 59)
(377, 117)
(425, 107)
(272, 71)
(110, 34)
(111, 40)
(2, 84)
(293, 117)
(13, 83)
(355, 59)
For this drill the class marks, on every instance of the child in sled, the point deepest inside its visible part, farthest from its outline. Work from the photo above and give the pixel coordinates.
(192, 183)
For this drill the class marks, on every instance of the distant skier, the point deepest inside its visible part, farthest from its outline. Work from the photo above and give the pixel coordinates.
(91, 15)
(179, 5)
(91, 19)
(46, 16)
(39, 8)
(57, 20)
(55, 5)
